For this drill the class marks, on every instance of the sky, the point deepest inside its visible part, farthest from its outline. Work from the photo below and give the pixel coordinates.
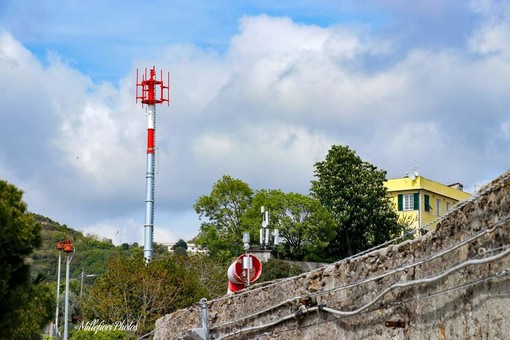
(260, 91)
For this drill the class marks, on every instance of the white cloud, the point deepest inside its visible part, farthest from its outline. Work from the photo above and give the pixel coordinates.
(262, 155)
(493, 36)
(209, 147)
(295, 71)
(505, 129)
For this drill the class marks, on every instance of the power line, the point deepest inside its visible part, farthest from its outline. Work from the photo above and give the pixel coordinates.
(423, 297)
(429, 279)
(391, 272)
(300, 312)
(428, 259)
(404, 284)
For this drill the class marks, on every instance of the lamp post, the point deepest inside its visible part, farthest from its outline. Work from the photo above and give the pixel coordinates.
(69, 250)
(60, 247)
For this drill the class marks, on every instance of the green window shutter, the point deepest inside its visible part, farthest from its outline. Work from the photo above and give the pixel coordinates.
(400, 202)
(416, 201)
(427, 203)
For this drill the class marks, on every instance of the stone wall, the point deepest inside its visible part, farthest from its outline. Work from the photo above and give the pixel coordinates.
(452, 283)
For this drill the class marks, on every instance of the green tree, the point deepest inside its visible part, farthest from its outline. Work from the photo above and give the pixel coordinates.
(135, 293)
(180, 244)
(26, 304)
(180, 248)
(159, 250)
(35, 305)
(305, 226)
(222, 211)
(353, 192)
(212, 274)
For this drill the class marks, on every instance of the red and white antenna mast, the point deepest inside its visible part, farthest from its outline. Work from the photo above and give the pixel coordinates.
(150, 96)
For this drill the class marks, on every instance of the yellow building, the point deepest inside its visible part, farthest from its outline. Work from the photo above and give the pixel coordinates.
(420, 201)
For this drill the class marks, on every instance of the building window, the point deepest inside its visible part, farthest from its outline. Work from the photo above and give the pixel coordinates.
(447, 206)
(408, 202)
(426, 200)
(438, 207)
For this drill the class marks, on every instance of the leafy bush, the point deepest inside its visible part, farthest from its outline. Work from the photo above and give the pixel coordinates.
(278, 269)
(101, 335)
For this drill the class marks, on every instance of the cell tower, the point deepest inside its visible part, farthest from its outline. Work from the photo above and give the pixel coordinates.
(149, 97)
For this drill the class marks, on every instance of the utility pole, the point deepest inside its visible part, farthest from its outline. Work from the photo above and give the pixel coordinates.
(82, 277)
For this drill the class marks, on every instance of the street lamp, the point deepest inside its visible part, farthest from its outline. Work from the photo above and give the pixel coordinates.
(69, 250)
(60, 247)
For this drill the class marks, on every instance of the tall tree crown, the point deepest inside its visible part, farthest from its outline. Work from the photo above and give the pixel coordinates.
(353, 191)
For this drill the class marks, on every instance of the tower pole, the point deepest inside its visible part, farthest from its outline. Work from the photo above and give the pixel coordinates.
(148, 249)
(150, 97)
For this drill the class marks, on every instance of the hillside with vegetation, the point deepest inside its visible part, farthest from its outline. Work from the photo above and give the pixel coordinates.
(91, 251)
(117, 285)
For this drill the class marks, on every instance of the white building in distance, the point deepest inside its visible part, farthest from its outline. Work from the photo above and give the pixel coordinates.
(193, 249)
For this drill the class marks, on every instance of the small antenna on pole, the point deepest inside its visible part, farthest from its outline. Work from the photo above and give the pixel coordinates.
(267, 239)
(264, 231)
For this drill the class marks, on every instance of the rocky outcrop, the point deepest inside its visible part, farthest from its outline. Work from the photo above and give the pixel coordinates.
(451, 283)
